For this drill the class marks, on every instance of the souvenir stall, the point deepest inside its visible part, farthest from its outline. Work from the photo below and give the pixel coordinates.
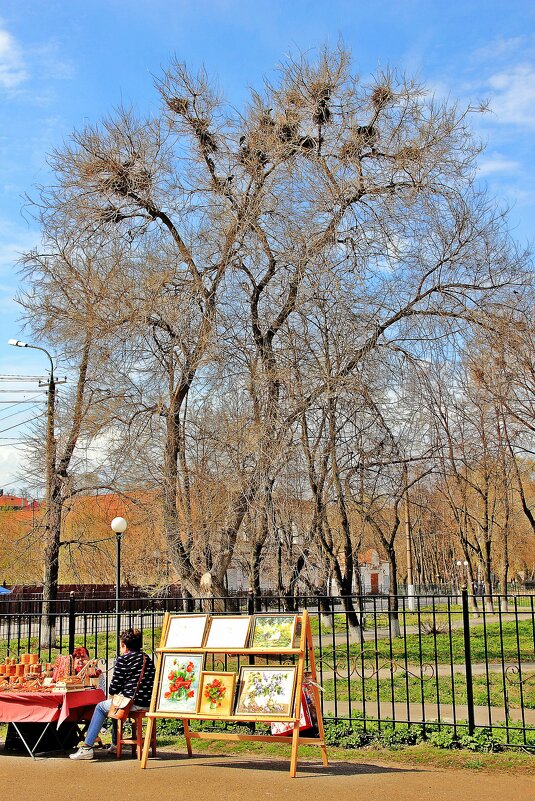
(38, 699)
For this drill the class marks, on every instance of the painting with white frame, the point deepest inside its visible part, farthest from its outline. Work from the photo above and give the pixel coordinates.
(228, 631)
(185, 631)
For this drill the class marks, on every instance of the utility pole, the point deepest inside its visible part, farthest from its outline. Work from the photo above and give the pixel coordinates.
(53, 506)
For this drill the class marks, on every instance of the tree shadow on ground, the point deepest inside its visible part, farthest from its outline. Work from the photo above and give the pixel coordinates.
(307, 768)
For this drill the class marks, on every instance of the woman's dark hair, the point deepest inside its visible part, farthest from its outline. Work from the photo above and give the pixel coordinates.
(132, 639)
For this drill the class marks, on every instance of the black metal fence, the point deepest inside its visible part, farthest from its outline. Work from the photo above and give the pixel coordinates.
(454, 663)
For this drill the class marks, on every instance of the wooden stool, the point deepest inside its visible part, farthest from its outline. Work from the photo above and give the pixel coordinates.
(136, 740)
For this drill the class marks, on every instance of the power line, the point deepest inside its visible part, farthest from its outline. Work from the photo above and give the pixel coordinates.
(16, 403)
(22, 423)
(23, 377)
(13, 414)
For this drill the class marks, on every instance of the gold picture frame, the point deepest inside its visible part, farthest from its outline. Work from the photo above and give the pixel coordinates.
(216, 693)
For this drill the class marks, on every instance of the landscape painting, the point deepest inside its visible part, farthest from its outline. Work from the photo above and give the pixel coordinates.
(273, 631)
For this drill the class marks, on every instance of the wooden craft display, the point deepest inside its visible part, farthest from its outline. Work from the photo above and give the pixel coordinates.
(176, 662)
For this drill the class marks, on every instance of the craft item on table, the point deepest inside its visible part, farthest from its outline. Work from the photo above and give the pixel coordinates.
(62, 667)
(80, 657)
(90, 673)
(68, 685)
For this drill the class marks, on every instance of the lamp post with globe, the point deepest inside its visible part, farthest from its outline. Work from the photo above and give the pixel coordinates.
(118, 526)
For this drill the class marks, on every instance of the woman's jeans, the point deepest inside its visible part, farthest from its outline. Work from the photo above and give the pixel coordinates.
(97, 721)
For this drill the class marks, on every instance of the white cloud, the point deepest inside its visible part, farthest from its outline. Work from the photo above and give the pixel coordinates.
(12, 68)
(513, 95)
(27, 71)
(494, 163)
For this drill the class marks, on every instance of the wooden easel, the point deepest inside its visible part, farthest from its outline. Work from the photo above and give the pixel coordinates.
(305, 647)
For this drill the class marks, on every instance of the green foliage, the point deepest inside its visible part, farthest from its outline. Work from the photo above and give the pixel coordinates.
(360, 732)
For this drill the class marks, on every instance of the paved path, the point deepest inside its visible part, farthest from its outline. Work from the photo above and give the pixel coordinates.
(243, 778)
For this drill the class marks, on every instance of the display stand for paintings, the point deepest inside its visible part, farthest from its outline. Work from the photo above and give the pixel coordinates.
(305, 647)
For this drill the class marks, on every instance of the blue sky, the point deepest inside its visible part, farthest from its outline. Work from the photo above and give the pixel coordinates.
(64, 64)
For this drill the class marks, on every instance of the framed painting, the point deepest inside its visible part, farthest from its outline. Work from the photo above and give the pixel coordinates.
(216, 696)
(266, 691)
(273, 631)
(185, 631)
(228, 632)
(180, 678)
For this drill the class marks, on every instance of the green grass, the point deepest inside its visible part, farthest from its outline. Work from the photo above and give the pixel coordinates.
(485, 643)
(381, 619)
(411, 689)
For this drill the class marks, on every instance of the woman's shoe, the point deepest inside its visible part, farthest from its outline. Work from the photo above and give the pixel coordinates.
(84, 752)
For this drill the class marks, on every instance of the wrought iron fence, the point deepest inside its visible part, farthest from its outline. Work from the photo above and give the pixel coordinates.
(429, 662)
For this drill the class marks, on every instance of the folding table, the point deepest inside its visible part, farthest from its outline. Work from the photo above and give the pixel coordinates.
(74, 707)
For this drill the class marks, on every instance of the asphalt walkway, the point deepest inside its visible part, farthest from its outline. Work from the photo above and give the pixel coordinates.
(219, 778)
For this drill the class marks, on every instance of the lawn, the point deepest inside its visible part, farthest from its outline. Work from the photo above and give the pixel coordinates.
(404, 688)
(508, 641)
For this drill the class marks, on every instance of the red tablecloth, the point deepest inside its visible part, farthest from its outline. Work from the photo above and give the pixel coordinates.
(46, 707)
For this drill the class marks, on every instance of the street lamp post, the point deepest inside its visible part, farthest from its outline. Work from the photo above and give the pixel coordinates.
(118, 526)
(50, 434)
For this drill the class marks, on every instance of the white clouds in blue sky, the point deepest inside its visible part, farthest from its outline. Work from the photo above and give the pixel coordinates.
(12, 69)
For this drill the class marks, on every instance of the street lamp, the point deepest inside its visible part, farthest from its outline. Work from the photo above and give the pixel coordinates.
(50, 439)
(118, 526)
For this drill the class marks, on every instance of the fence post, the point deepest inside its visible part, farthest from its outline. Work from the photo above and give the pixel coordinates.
(72, 620)
(468, 661)
(250, 601)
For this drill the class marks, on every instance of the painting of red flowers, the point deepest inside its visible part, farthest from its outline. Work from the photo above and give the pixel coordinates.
(179, 683)
(216, 694)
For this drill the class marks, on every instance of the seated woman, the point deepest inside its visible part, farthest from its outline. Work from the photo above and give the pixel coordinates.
(126, 673)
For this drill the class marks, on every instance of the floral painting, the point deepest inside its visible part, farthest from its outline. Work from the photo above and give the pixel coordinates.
(216, 694)
(179, 683)
(273, 631)
(266, 692)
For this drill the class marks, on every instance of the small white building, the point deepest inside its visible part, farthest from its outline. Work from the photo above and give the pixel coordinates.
(374, 573)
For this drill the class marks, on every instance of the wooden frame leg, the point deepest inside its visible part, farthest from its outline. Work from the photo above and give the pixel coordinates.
(188, 738)
(148, 737)
(295, 746)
